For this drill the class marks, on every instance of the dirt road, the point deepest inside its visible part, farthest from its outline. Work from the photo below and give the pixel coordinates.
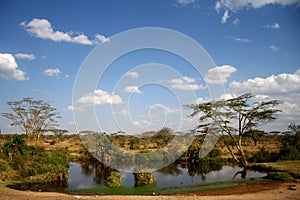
(271, 191)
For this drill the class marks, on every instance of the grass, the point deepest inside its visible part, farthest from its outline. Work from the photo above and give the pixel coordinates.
(291, 167)
(150, 190)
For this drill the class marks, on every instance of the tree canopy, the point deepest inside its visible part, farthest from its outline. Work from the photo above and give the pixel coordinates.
(34, 117)
(234, 117)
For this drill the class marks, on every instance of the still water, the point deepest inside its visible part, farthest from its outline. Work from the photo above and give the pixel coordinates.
(84, 176)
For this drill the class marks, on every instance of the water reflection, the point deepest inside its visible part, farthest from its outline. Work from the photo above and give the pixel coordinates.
(88, 175)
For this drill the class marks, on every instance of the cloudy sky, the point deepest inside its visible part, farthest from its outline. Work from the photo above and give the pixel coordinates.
(254, 45)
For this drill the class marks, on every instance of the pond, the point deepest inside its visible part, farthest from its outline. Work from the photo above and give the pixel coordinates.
(85, 176)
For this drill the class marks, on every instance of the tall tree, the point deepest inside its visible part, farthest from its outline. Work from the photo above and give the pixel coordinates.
(234, 117)
(34, 117)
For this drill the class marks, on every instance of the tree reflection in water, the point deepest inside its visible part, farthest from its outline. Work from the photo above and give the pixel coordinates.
(103, 174)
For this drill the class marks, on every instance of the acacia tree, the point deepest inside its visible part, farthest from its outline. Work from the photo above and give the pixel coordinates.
(34, 117)
(234, 117)
(255, 135)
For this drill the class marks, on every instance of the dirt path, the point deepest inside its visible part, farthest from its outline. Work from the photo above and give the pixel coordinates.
(271, 191)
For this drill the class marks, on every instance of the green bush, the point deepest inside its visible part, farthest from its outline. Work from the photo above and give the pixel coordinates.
(288, 152)
(263, 155)
(113, 179)
(278, 176)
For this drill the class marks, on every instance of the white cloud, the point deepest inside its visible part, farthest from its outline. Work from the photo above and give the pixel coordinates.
(275, 84)
(219, 74)
(25, 56)
(9, 68)
(132, 74)
(52, 72)
(274, 48)
(185, 83)
(235, 5)
(218, 6)
(236, 21)
(142, 123)
(226, 96)
(284, 87)
(166, 109)
(261, 97)
(225, 17)
(274, 26)
(185, 2)
(74, 108)
(132, 89)
(242, 40)
(102, 38)
(42, 28)
(99, 97)
(82, 39)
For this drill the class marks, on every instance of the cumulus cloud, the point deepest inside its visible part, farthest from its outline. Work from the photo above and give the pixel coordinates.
(99, 97)
(185, 83)
(132, 74)
(102, 38)
(284, 87)
(132, 89)
(274, 48)
(219, 74)
(235, 5)
(9, 68)
(275, 84)
(225, 17)
(142, 123)
(42, 28)
(52, 72)
(166, 109)
(25, 56)
(273, 26)
(74, 108)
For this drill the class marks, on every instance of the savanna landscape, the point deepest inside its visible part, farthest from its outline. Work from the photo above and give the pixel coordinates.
(41, 162)
(131, 99)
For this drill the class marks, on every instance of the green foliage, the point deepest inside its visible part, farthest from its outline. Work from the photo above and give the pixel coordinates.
(34, 117)
(16, 146)
(6, 171)
(234, 117)
(278, 176)
(288, 152)
(134, 144)
(255, 135)
(290, 144)
(145, 178)
(263, 155)
(34, 164)
(214, 153)
(113, 179)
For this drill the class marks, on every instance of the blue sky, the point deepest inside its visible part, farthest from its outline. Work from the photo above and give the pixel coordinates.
(254, 45)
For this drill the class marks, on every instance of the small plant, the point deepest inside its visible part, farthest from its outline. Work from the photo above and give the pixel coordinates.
(113, 179)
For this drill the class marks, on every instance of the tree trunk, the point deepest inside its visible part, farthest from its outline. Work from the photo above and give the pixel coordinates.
(243, 157)
(232, 154)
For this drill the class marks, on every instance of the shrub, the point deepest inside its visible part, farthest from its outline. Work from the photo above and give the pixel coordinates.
(278, 176)
(113, 179)
(288, 152)
(263, 155)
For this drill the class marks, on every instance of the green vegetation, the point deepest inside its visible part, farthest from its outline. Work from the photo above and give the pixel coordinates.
(31, 164)
(225, 114)
(34, 117)
(46, 163)
(153, 190)
(113, 179)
